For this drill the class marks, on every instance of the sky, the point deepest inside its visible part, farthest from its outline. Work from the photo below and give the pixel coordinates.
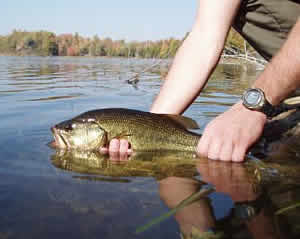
(119, 19)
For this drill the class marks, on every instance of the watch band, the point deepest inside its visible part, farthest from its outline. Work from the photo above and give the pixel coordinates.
(248, 209)
(269, 110)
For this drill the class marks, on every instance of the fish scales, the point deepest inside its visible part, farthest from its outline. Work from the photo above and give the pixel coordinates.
(145, 131)
(160, 130)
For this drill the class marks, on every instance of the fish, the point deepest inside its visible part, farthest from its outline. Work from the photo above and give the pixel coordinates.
(144, 131)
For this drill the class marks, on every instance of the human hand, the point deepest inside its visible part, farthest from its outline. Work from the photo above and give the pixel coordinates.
(231, 179)
(229, 135)
(118, 150)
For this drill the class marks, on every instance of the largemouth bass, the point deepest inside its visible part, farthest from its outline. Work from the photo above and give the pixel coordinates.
(144, 131)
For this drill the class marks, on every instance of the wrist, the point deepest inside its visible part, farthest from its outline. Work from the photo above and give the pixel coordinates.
(252, 113)
(269, 94)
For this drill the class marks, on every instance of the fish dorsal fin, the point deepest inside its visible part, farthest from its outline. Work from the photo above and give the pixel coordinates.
(184, 121)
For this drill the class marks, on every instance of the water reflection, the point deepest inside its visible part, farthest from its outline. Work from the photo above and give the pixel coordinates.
(56, 97)
(248, 204)
(158, 165)
(224, 89)
(252, 214)
(64, 76)
(46, 194)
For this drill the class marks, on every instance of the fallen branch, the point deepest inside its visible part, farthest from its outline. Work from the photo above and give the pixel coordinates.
(135, 79)
(260, 62)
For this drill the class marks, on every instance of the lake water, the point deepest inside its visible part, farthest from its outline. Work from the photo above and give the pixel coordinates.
(43, 195)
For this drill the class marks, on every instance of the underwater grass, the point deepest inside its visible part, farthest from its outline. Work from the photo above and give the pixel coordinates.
(189, 200)
(288, 208)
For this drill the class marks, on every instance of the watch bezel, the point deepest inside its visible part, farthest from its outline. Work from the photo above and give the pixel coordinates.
(257, 106)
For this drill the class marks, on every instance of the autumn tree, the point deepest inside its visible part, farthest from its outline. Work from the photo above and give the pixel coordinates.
(47, 43)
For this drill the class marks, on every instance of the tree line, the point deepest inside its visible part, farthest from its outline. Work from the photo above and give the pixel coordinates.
(44, 43)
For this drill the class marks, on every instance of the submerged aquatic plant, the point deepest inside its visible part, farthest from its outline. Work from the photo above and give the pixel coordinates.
(288, 208)
(189, 200)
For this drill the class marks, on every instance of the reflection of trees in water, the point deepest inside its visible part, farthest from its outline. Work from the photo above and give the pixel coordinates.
(37, 73)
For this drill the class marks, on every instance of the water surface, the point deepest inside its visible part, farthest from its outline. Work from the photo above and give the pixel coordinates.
(44, 198)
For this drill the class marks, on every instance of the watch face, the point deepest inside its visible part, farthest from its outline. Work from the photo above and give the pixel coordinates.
(253, 97)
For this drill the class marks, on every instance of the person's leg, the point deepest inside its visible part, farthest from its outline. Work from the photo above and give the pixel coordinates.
(265, 24)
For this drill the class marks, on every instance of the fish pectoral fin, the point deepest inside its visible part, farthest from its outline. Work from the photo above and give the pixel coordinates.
(184, 121)
(104, 140)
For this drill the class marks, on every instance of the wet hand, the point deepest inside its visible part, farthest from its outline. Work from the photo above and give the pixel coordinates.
(229, 135)
(118, 150)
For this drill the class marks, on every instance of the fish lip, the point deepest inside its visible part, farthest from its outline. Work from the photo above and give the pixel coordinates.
(52, 144)
(60, 142)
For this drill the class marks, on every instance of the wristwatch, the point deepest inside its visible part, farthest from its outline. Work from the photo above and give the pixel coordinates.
(249, 209)
(254, 99)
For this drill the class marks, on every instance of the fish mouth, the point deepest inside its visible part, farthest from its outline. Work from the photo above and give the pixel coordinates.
(59, 140)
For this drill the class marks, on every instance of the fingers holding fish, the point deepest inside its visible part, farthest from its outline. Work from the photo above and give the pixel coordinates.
(117, 156)
(118, 150)
(124, 147)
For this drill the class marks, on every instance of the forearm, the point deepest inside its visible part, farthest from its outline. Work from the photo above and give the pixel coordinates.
(282, 75)
(194, 62)
(197, 57)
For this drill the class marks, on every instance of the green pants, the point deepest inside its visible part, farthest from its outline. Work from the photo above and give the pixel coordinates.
(265, 24)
